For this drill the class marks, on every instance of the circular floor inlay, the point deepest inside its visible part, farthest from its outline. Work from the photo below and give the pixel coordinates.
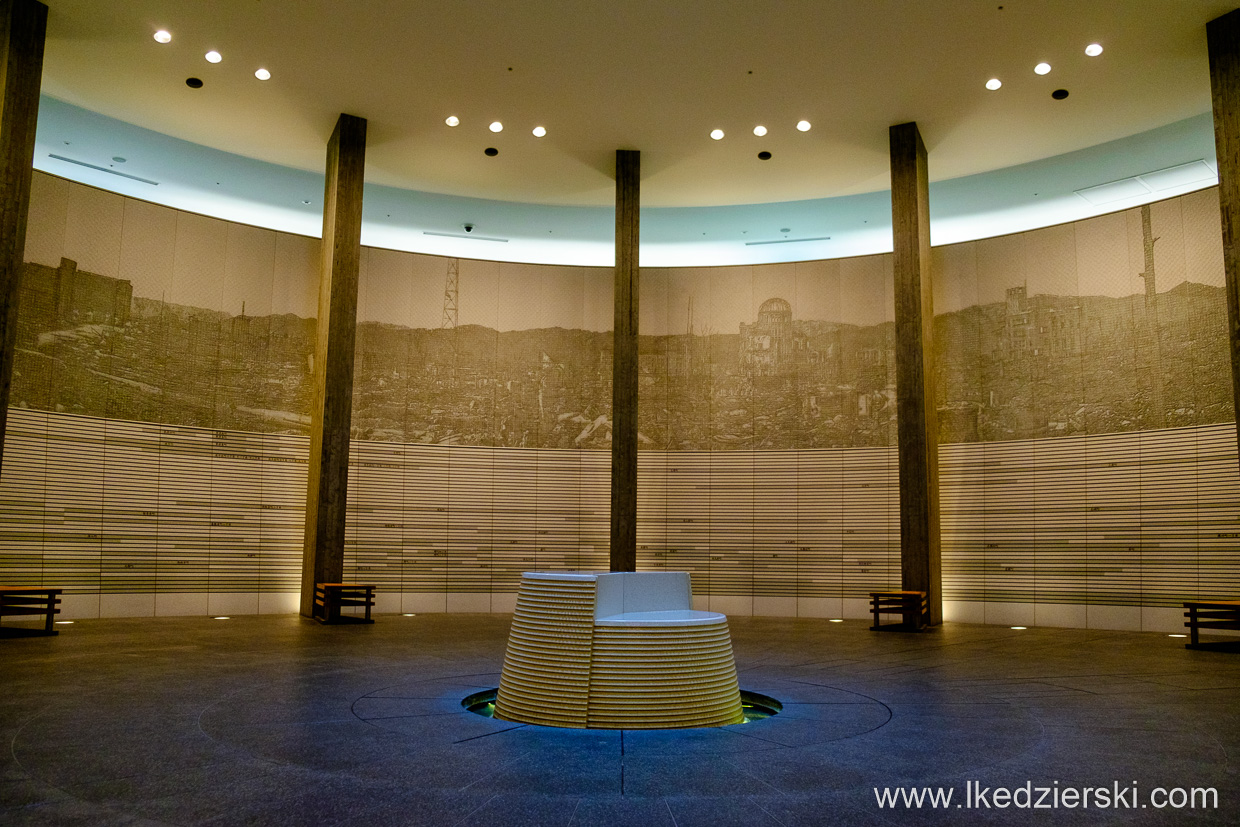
(756, 707)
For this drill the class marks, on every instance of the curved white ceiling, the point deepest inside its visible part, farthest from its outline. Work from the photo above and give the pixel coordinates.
(81, 145)
(642, 74)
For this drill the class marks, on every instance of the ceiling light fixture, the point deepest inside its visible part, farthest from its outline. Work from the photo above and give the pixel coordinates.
(1093, 49)
(1042, 69)
(803, 126)
(222, 617)
(994, 84)
(1020, 628)
(452, 120)
(496, 126)
(213, 56)
(836, 620)
(162, 36)
(759, 131)
(716, 134)
(540, 131)
(764, 155)
(262, 74)
(70, 622)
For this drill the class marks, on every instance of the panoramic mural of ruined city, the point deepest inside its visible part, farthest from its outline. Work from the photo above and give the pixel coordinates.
(1107, 325)
(157, 455)
(134, 311)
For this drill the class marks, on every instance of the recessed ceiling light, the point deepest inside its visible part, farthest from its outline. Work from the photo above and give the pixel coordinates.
(803, 126)
(1059, 94)
(262, 74)
(540, 131)
(490, 152)
(305, 201)
(994, 84)
(496, 126)
(1042, 68)
(836, 620)
(118, 159)
(759, 131)
(452, 120)
(193, 83)
(716, 134)
(162, 36)
(1020, 628)
(1093, 49)
(222, 617)
(213, 56)
(408, 615)
(764, 155)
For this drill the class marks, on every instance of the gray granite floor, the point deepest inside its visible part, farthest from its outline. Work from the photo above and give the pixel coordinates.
(276, 720)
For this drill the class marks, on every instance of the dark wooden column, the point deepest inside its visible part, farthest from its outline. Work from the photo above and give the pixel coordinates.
(624, 367)
(23, 25)
(1223, 39)
(328, 478)
(917, 425)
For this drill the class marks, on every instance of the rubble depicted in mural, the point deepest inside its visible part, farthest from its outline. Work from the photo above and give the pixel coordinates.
(1039, 366)
(474, 385)
(778, 383)
(86, 345)
(1033, 365)
(1050, 365)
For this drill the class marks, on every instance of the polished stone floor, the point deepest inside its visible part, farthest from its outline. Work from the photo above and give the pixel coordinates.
(276, 720)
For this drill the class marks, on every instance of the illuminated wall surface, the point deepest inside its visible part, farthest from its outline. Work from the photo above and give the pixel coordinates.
(155, 460)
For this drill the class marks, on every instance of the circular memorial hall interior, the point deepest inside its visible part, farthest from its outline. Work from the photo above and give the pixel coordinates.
(619, 413)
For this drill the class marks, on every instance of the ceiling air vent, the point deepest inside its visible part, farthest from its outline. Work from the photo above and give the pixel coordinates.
(1148, 183)
(462, 235)
(787, 241)
(104, 169)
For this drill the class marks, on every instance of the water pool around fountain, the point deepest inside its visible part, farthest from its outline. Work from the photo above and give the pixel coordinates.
(754, 705)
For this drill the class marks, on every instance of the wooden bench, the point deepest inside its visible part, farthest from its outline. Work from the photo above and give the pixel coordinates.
(330, 598)
(29, 600)
(911, 605)
(1212, 614)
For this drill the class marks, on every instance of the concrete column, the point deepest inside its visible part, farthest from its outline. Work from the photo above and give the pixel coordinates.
(328, 477)
(624, 367)
(917, 425)
(1223, 40)
(23, 26)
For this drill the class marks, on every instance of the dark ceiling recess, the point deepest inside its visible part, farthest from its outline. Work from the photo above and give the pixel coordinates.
(193, 83)
(491, 151)
(764, 155)
(1059, 94)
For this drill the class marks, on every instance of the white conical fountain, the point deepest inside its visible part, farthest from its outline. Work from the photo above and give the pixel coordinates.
(616, 650)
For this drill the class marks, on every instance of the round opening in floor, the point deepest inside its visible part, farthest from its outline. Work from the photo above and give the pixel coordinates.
(754, 705)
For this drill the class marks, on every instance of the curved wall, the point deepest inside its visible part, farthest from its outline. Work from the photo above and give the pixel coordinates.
(157, 463)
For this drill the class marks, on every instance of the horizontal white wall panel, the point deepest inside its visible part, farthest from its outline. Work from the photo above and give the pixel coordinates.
(113, 507)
